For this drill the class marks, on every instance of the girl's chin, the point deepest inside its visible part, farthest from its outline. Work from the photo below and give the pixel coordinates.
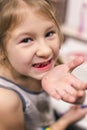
(39, 76)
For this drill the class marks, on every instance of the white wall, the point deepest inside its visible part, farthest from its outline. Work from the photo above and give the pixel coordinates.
(76, 15)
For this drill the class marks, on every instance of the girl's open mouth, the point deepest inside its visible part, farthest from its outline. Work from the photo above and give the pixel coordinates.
(44, 65)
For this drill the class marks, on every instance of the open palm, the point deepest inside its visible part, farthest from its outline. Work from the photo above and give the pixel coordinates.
(60, 83)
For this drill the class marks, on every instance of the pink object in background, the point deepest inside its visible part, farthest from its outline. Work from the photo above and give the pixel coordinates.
(82, 18)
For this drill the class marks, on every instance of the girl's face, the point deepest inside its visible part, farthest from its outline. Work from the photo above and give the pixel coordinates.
(33, 47)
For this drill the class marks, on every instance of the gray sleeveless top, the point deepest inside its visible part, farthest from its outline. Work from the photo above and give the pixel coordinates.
(36, 106)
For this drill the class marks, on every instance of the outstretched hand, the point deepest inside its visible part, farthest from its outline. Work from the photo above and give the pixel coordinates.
(60, 83)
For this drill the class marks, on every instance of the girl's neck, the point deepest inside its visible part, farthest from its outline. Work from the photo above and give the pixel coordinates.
(26, 82)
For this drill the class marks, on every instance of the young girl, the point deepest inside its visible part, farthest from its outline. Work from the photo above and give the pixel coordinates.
(29, 47)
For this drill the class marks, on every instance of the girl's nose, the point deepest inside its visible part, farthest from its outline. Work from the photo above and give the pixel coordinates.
(44, 50)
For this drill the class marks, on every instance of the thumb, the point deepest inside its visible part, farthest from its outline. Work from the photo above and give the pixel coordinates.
(75, 63)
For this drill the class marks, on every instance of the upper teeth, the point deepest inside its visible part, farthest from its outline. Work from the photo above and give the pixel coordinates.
(41, 64)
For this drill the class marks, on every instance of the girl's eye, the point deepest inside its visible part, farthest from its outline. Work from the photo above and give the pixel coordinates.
(50, 34)
(26, 40)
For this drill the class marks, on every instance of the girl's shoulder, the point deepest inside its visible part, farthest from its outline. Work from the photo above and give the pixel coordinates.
(9, 100)
(11, 115)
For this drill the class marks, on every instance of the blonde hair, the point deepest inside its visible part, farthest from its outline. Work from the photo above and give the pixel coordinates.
(10, 17)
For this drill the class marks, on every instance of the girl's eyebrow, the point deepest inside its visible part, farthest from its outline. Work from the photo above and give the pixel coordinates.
(51, 27)
(20, 34)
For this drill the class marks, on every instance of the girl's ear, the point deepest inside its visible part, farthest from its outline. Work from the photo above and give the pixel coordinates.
(2, 55)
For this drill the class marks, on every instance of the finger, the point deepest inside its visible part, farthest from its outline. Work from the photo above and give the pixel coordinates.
(81, 93)
(74, 63)
(77, 95)
(71, 90)
(67, 97)
(77, 83)
(55, 94)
